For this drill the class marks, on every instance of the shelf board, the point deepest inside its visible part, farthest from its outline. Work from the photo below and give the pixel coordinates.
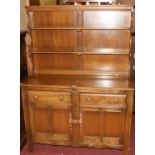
(81, 7)
(106, 51)
(79, 28)
(82, 72)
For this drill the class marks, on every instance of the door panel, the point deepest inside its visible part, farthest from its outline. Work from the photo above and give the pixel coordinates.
(60, 121)
(114, 124)
(50, 118)
(102, 124)
(41, 120)
(90, 122)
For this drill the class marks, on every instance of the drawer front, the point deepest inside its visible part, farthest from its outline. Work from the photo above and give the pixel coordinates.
(99, 99)
(51, 98)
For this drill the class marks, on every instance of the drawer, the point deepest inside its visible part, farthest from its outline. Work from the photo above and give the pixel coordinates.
(49, 97)
(86, 99)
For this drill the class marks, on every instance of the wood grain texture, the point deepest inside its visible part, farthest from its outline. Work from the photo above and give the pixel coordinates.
(55, 40)
(92, 99)
(98, 39)
(67, 81)
(107, 19)
(106, 63)
(64, 29)
(53, 19)
(77, 8)
(27, 120)
(54, 62)
(50, 114)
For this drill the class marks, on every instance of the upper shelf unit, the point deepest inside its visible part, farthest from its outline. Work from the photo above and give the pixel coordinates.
(84, 40)
(72, 19)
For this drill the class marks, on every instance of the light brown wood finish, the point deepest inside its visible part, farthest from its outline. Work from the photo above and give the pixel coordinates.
(51, 34)
(27, 119)
(47, 112)
(79, 91)
(34, 2)
(106, 106)
(82, 81)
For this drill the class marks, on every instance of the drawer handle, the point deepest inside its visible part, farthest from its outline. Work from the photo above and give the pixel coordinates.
(61, 98)
(79, 53)
(88, 99)
(108, 110)
(35, 96)
(116, 100)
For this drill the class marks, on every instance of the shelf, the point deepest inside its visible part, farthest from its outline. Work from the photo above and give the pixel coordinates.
(106, 51)
(78, 8)
(78, 28)
(78, 81)
(81, 72)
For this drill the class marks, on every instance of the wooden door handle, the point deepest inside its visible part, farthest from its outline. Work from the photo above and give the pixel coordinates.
(116, 100)
(88, 99)
(35, 96)
(61, 98)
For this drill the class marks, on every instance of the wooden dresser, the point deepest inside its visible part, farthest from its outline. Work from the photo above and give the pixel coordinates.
(78, 91)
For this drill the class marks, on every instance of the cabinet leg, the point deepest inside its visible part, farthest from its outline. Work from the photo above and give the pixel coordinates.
(29, 141)
(126, 151)
(30, 147)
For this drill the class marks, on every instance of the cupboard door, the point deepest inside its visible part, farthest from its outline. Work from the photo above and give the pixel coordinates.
(50, 117)
(102, 124)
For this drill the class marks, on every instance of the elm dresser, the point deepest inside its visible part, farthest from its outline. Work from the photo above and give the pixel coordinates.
(79, 90)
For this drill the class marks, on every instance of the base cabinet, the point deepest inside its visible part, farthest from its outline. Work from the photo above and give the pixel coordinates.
(74, 118)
